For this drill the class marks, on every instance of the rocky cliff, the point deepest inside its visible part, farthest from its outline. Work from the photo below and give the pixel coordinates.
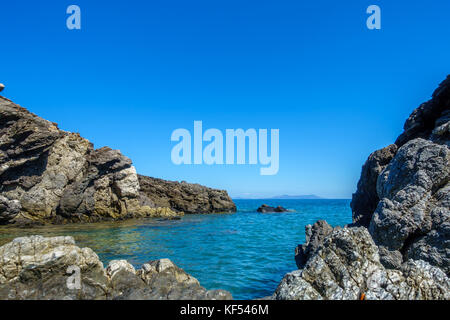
(50, 175)
(185, 197)
(398, 246)
(38, 268)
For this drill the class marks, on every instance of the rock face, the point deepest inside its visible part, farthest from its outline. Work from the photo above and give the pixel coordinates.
(38, 268)
(347, 266)
(186, 197)
(50, 175)
(398, 246)
(268, 209)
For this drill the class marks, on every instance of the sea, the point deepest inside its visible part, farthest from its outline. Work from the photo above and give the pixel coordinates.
(246, 253)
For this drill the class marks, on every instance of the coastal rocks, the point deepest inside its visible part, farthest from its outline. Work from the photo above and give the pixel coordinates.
(365, 200)
(268, 209)
(398, 246)
(422, 122)
(414, 192)
(2, 86)
(315, 235)
(52, 176)
(38, 268)
(185, 197)
(346, 265)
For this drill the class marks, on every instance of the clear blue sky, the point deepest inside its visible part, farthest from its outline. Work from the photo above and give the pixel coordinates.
(137, 70)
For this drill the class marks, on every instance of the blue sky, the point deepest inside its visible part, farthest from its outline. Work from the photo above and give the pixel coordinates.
(137, 70)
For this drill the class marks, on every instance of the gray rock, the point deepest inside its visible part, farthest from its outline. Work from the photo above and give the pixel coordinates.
(403, 198)
(38, 268)
(365, 199)
(9, 209)
(186, 197)
(268, 209)
(347, 266)
(414, 206)
(422, 121)
(315, 235)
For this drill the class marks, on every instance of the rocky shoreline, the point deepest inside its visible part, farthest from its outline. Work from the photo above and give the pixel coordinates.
(398, 246)
(52, 176)
(38, 268)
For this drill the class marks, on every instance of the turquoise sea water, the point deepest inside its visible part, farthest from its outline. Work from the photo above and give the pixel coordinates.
(246, 253)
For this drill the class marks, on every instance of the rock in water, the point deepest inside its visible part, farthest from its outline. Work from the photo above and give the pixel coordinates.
(50, 175)
(268, 209)
(2, 86)
(398, 246)
(38, 268)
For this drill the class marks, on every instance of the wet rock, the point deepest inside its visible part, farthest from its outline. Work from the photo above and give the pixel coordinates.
(268, 209)
(38, 268)
(2, 86)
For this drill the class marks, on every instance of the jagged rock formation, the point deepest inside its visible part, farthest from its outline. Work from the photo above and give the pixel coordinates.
(186, 197)
(398, 246)
(346, 265)
(50, 175)
(38, 268)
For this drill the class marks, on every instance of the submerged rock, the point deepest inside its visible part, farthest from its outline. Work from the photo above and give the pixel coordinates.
(268, 209)
(38, 268)
(50, 175)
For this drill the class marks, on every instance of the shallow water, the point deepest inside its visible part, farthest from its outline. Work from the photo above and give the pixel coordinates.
(246, 253)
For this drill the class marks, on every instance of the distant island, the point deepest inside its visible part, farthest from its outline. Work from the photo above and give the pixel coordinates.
(298, 197)
(285, 197)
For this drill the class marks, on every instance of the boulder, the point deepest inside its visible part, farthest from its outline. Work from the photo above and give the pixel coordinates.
(39, 268)
(268, 209)
(413, 214)
(346, 265)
